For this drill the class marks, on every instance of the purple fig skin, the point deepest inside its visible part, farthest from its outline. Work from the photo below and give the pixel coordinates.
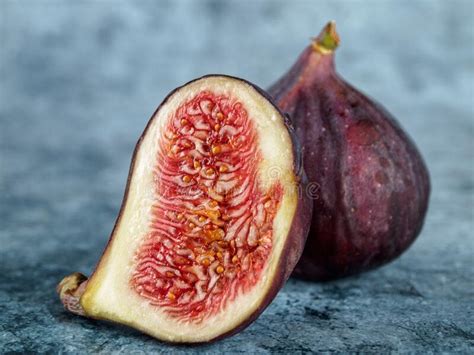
(369, 182)
(71, 288)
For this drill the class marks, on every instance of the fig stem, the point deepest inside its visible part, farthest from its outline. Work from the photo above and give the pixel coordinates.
(70, 290)
(328, 40)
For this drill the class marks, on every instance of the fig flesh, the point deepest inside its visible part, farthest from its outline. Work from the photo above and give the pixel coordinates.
(211, 224)
(369, 183)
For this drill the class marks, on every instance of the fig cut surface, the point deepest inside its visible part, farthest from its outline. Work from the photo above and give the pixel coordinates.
(213, 219)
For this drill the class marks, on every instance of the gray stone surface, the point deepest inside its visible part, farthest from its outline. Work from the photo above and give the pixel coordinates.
(78, 82)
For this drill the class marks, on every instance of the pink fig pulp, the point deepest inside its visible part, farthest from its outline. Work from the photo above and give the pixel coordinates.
(368, 180)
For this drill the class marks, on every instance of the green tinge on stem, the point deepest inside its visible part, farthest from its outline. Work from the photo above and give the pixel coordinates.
(328, 39)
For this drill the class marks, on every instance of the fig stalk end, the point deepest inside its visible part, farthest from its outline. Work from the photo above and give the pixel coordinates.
(328, 40)
(70, 290)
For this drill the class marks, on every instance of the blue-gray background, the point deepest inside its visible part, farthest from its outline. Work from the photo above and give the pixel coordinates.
(78, 83)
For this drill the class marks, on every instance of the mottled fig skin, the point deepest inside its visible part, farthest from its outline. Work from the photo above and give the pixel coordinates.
(368, 180)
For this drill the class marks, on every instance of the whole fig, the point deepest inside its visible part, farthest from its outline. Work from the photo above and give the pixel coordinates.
(369, 183)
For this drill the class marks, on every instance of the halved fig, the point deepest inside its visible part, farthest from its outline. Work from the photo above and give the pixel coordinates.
(213, 219)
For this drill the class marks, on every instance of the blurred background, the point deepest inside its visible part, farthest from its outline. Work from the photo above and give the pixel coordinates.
(78, 82)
